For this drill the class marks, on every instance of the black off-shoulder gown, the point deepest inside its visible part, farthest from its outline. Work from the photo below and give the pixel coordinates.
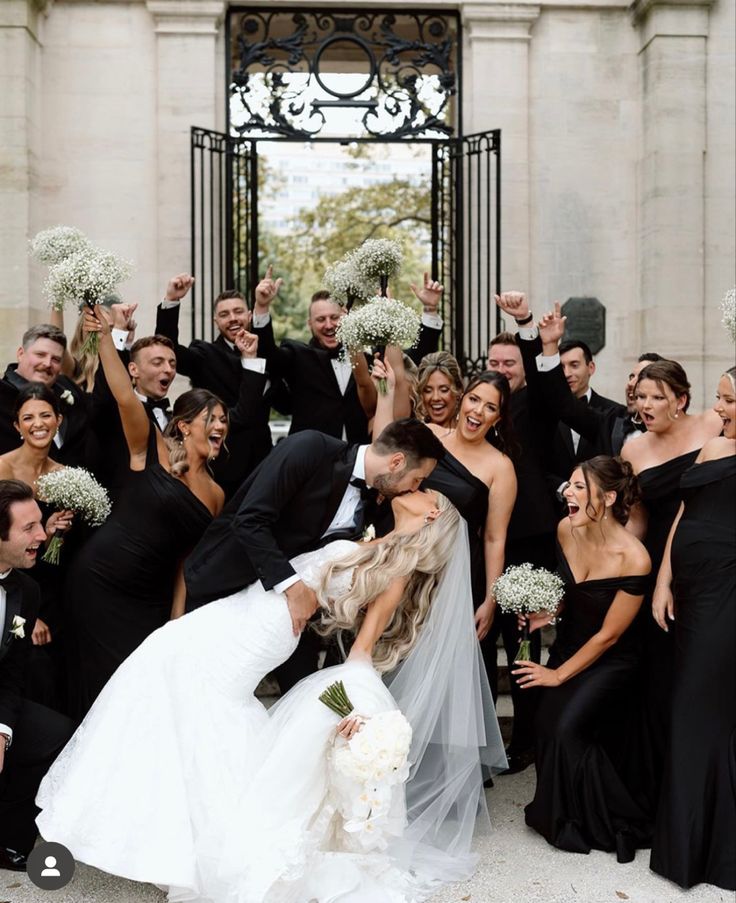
(581, 801)
(120, 586)
(695, 836)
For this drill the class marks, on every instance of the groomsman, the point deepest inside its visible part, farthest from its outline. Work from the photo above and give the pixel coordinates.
(31, 736)
(39, 359)
(321, 389)
(311, 489)
(231, 368)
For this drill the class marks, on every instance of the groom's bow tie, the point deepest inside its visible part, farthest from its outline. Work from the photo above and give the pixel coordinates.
(365, 490)
(162, 403)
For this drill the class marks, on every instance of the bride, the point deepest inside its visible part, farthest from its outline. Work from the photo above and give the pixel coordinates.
(179, 777)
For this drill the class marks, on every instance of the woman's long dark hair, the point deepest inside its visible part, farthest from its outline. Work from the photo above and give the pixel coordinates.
(501, 435)
(36, 392)
(186, 408)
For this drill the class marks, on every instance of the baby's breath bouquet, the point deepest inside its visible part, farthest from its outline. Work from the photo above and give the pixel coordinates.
(51, 246)
(377, 260)
(524, 589)
(380, 322)
(344, 282)
(86, 276)
(728, 309)
(73, 489)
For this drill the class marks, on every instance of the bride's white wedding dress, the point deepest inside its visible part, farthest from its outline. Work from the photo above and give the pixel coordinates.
(179, 777)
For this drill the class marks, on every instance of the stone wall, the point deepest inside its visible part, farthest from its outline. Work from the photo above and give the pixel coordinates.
(618, 152)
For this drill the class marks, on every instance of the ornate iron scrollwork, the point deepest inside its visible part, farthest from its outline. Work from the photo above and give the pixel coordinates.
(401, 69)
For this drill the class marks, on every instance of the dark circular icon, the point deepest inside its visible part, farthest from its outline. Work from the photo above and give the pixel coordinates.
(50, 866)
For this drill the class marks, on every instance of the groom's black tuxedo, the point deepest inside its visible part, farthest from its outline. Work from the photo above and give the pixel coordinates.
(281, 510)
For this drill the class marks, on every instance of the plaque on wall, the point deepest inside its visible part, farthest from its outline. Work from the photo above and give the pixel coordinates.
(586, 322)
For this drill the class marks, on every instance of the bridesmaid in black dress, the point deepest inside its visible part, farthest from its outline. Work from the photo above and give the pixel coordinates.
(581, 802)
(695, 835)
(127, 581)
(659, 458)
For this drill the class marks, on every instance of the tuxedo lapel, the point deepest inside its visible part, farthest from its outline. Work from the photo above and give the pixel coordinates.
(341, 473)
(12, 608)
(325, 362)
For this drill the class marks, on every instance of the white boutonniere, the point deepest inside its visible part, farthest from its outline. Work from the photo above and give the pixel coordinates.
(369, 533)
(67, 396)
(16, 627)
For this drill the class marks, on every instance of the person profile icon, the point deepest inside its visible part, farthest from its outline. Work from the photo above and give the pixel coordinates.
(50, 871)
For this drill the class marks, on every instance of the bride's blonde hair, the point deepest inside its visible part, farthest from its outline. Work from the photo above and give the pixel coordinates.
(420, 556)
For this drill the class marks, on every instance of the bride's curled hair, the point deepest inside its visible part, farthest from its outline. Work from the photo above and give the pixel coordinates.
(421, 556)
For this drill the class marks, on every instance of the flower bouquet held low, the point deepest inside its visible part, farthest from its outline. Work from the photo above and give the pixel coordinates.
(380, 322)
(377, 260)
(524, 590)
(365, 769)
(73, 489)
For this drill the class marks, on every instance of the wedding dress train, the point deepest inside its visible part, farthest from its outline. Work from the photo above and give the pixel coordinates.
(179, 777)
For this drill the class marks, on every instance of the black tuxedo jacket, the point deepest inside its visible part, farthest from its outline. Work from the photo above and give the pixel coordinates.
(309, 391)
(216, 367)
(23, 598)
(74, 427)
(280, 511)
(564, 456)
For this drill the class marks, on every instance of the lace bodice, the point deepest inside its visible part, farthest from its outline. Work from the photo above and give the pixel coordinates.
(309, 566)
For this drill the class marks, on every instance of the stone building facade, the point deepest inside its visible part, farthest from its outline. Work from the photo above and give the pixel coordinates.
(618, 151)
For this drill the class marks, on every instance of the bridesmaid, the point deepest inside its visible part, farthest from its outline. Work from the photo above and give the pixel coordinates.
(581, 802)
(659, 458)
(440, 387)
(37, 418)
(128, 580)
(696, 590)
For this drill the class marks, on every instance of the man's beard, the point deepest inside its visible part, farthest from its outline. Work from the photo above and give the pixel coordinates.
(386, 483)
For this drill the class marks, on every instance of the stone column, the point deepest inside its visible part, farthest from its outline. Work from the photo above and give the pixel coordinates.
(189, 70)
(672, 180)
(496, 95)
(19, 130)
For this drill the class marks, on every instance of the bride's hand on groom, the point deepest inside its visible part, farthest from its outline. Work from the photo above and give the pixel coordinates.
(350, 726)
(302, 602)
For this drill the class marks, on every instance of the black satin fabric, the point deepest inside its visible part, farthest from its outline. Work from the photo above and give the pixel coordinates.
(469, 495)
(581, 801)
(120, 586)
(695, 837)
(661, 496)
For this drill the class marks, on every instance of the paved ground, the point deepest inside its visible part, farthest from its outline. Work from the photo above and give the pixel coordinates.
(517, 866)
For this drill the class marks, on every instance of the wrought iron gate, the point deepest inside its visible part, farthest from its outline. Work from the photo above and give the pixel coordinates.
(466, 231)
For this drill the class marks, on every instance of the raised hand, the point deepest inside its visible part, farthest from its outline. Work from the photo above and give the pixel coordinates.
(178, 286)
(515, 304)
(123, 316)
(247, 344)
(267, 288)
(552, 326)
(383, 370)
(94, 321)
(429, 294)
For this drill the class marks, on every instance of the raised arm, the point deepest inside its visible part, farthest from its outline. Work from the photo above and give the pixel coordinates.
(68, 364)
(385, 401)
(364, 384)
(402, 396)
(133, 416)
(501, 500)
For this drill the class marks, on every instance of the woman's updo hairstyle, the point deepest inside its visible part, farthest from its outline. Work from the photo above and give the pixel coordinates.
(668, 373)
(187, 408)
(612, 475)
(36, 392)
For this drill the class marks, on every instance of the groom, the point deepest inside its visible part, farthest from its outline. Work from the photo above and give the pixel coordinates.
(310, 490)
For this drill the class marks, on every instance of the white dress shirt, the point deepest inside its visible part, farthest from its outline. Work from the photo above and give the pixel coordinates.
(345, 514)
(4, 729)
(161, 419)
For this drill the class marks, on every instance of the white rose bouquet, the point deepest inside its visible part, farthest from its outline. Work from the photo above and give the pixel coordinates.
(51, 246)
(380, 322)
(87, 276)
(366, 768)
(728, 309)
(524, 589)
(377, 260)
(73, 489)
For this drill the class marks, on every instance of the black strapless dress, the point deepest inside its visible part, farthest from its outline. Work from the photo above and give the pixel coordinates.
(661, 495)
(695, 837)
(120, 586)
(581, 801)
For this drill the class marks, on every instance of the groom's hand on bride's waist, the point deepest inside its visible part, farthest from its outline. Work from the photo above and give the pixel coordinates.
(302, 602)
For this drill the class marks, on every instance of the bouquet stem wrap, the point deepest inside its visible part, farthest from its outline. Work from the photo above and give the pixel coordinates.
(53, 551)
(525, 648)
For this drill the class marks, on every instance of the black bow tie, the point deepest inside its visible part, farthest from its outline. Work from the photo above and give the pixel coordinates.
(633, 426)
(332, 353)
(366, 492)
(162, 403)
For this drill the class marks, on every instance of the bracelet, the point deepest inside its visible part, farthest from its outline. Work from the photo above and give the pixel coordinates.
(525, 321)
